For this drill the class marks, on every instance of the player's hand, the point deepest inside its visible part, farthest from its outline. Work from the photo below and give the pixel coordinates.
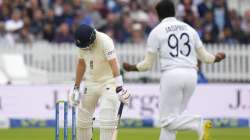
(75, 97)
(219, 56)
(129, 67)
(123, 94)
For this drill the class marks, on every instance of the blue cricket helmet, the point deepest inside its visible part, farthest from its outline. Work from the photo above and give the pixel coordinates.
(85, 35)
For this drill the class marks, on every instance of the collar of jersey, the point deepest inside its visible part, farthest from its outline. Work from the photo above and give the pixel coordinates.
(168, 19)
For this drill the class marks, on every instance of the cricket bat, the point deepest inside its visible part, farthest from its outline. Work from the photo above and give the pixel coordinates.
(119, 114)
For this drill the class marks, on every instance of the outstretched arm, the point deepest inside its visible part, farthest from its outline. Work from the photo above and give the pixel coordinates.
(150, 57)
(144, 65)
(209, 58)
(203, 55)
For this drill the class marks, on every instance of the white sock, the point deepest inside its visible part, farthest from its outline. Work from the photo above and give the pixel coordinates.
(84, 133)
(106, 133)
(167, 135)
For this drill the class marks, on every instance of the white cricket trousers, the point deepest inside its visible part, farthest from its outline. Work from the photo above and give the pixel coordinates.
(108, 101)
(177, 86)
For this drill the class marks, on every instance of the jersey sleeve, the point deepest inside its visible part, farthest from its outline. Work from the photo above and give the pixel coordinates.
(197, 40)
(80, 53)
(109, 48)
(153, 42)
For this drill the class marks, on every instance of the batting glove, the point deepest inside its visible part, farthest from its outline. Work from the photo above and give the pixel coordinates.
(75, 96)
(123, 95)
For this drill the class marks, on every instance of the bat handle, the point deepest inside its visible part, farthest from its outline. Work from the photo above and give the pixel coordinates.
(120, 109)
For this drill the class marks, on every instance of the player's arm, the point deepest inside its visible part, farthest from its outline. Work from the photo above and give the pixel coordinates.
(207, 57)
(114, 67)
(150, 57)
(110, 54)
(144, 65)
(116, 72)
(75, 96)
(123, 94)
(203, 55)
(80, 70)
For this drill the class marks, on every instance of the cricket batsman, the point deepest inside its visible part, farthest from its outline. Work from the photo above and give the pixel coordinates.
(99, 69)
(178, 46)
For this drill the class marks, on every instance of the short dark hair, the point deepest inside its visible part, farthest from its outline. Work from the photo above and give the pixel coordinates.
(165, 8)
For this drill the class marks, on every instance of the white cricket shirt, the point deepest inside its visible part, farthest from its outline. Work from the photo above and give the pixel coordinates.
(96, 59)
(176, 43)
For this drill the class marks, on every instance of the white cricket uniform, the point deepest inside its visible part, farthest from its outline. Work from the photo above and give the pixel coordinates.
(176, 43)
(99, 85)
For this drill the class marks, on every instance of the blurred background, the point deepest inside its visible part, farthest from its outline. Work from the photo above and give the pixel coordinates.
(38, 57)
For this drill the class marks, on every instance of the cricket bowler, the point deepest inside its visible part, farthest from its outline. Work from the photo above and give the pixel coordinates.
(99, 69)
(178, 46)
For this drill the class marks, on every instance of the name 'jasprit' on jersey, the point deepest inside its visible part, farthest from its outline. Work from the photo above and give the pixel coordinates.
(175, 42)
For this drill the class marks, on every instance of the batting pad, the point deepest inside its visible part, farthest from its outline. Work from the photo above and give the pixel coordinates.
(108, 118)
(84, 119)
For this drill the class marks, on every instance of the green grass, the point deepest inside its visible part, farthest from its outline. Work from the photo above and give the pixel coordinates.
(124, 134)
